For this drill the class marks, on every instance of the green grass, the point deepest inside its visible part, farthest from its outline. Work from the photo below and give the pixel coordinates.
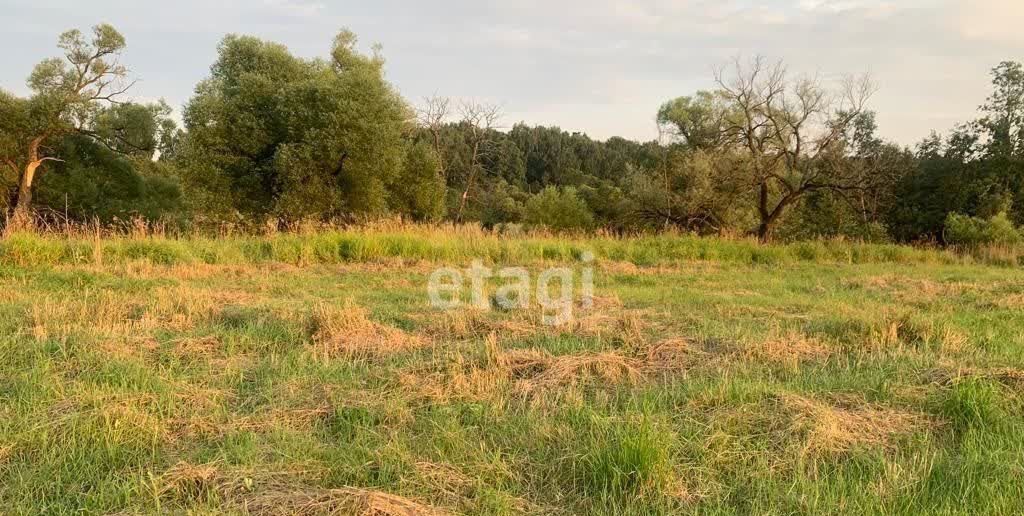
(149, 375)
(412, 243)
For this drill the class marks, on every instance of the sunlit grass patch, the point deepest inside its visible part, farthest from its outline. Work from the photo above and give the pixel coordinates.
(348, 331)
(284, 374)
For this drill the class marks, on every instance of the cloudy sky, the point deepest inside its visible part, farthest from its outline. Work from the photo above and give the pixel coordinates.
(597, 66)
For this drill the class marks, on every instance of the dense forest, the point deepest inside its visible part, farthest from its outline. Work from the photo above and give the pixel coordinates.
(271, 139)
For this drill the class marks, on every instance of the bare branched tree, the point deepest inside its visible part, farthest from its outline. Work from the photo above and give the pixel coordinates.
(433, 116)
(792, 132)
(481, 119)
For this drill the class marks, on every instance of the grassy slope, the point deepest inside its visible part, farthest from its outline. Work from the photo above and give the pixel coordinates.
(140, 378)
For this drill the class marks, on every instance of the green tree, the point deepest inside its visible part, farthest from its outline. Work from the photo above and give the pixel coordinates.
(67, 97)
(793, 134)
(94, 182)
(558, 208)
(419, 191)
(699, 122)
(277, 135)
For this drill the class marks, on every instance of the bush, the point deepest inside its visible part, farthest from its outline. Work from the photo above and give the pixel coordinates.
(560, 209)
(963, 230)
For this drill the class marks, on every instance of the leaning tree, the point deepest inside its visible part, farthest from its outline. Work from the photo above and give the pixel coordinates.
(68, 94)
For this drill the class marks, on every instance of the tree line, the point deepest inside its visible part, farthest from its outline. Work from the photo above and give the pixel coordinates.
(272, 138)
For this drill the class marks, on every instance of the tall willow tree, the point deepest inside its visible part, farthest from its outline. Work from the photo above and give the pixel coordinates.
(68, 96)
(276, 135)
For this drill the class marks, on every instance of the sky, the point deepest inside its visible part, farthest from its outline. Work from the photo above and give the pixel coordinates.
(601, 67)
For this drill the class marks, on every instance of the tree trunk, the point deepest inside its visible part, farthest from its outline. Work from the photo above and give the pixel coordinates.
(764, 230)
(21, 217)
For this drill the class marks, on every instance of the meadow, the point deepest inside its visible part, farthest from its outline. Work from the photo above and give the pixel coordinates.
(308, 374)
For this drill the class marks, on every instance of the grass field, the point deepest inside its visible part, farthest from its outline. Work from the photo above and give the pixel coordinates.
(307, 374)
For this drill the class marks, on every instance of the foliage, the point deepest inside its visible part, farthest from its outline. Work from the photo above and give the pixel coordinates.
(559, 209)
(968, 231)
(279, 135)
(272, 137)
(419, 190)
(94, 182)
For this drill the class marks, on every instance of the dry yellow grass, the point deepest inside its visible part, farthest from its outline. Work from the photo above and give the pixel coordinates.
(605, 318)
(672, 355)
(826, 428)
(952, 373)
(348, 331)
(278, 494)
(791, 350)
(570, 371)
(340, 502)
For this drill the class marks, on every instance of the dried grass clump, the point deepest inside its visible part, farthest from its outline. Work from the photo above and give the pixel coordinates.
(527, 372)
(475, 324)
(672, 355)
(347, 501)
(181, 307)
(197, 347)
(606, 368)
(101, 314)
(278, 418)
(902, 332)
(791, 350)
(1007, 376)
(445, 479)
(266, 493)
(604, 317)
(194, 482)
(627, 327)
(1011, 302)
(827, 429)
(349, 332)
(915, 290)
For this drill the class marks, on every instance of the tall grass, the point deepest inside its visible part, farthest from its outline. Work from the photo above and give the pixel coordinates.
(453, 245)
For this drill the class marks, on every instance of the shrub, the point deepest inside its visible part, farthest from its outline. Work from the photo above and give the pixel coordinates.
(559, 209)
(969, 231)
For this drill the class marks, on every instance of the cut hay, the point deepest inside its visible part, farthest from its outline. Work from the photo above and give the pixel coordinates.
(526, 372)
(827, 429)
(341, 502)
(476, 324)
(1007, 376)
(603, 317)
(349, 332)
(262, 493)
(445, 479)
(606, 368)
(791, 350)
(672, 355)
(196, 347)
